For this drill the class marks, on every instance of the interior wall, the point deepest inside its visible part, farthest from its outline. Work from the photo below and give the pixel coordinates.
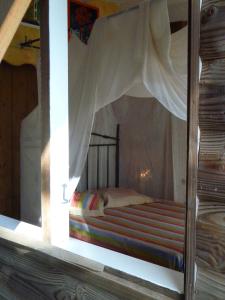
(18, 97)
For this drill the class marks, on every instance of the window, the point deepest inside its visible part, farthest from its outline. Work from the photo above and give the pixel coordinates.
(55, 154)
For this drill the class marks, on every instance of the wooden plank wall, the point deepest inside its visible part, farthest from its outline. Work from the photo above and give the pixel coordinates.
(18, 97)
(210, 233)
(28, 274)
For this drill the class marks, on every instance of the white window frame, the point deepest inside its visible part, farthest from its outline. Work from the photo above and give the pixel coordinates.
(54, 233)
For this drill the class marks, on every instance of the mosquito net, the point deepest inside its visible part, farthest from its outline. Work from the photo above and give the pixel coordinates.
(128, 54)
(131, 55)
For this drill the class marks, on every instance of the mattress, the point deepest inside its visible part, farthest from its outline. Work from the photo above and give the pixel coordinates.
(152, 232)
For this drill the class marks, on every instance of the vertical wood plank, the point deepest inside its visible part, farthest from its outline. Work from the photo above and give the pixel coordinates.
(54, 99)
(45, 121)
(19, 94)
(210, 230)
(17, 100)
(24, 100)
(11, 14)
(5, 141)
(193, 101)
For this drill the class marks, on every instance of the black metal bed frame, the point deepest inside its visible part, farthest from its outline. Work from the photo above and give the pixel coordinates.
(115, 143)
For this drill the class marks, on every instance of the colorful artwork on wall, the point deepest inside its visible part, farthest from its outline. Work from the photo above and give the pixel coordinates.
(82, 18)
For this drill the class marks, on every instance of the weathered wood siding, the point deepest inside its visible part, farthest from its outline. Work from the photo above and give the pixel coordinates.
(18, 97)
(5, 6)
(11, 14)
(29, 274)
(210, 233)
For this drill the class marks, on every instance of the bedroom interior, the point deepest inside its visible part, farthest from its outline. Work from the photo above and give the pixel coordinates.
(137, 151)
(128, 151)
(120, 219)
(31, 266)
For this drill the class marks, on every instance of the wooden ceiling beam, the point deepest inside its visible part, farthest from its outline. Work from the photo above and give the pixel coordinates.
(11, 15)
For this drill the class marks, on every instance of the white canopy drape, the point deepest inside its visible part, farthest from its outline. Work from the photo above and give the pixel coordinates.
(131, 53)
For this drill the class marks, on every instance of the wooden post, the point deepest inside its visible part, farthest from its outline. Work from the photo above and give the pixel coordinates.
(210, 228)
(54, 105)
(193, 101)
(11, 14)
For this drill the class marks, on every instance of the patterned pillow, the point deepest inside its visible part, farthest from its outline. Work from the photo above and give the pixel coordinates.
(86, 204)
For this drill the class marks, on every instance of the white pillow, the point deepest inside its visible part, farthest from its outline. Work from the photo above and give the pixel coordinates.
(124, 197)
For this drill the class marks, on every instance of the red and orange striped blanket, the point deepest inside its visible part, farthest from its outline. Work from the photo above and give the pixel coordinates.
(153, 232)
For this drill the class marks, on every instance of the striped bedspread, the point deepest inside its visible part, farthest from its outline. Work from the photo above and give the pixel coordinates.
(153, 232)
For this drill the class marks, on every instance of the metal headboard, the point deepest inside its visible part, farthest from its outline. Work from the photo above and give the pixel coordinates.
(114, 142)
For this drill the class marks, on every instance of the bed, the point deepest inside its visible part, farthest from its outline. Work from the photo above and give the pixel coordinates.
(153, 231)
